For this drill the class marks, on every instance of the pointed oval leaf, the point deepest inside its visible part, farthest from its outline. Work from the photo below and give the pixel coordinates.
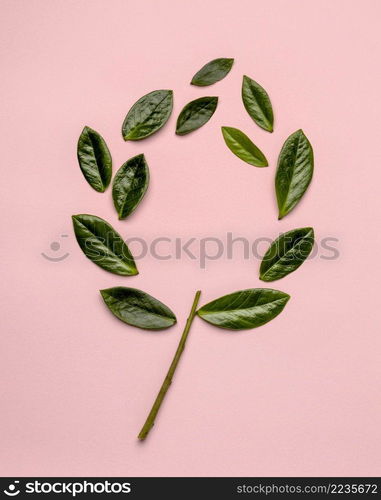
(137, 308)
(294, 171)
(243, 147)
(257, 103)
(212, 72)
(148, 115)
(130, 185)
(103, 245)
(244, 309)
(195, 114)
(286, 254)
(94, 159)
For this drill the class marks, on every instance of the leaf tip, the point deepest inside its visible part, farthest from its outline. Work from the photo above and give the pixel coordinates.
(301, 133)
(131, 272)
(140, 157)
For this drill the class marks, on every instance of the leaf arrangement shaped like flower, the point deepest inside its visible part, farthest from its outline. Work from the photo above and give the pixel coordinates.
(241, 310)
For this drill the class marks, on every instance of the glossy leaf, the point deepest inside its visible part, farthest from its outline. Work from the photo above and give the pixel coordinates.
(130, 185)
(243, 147)
(286, 254)
(294, 172)
(94, 159)
(103, 245)
(137, 308)
(195, 114)
(148, 115)
(244, 309)
(212, 72)
(257, 103)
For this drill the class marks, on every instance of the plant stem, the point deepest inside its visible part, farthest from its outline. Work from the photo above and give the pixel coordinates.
(168, 379)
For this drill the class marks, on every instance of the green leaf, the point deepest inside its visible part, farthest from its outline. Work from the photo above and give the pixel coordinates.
(103, 245)
(257, 103)
(294, 172)
(137, 308)
(241, 146)
(195, 114)
(286, 254)
(94, 159)
(212, 72)
(130, 185)
(245, 309)
(148, 115)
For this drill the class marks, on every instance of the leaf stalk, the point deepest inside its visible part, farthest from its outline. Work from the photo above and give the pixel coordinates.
(149, 423)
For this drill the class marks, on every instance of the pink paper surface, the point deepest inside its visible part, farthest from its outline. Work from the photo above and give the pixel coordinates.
(298, 396)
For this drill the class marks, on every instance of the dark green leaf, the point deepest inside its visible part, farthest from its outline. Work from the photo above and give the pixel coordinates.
(242, 147)
(137, 308)
(245, 309)
(294, 172)
(212, 72)
(257, 103)
(148, 115)
(286, 254)
(130, 185)
(94, 159)
(103, 245)
(195, 114)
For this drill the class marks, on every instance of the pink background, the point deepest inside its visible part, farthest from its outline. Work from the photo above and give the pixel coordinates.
(299, 396)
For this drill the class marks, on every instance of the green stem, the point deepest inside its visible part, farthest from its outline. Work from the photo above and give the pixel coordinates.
(168, 379)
